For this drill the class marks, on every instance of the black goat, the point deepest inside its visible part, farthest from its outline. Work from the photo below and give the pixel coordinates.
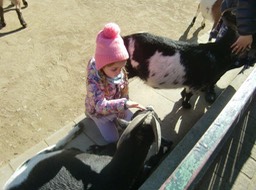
(17, 4)
(165, 63)
(73, 169)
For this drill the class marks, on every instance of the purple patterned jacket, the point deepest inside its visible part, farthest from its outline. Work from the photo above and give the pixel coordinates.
(105, 97)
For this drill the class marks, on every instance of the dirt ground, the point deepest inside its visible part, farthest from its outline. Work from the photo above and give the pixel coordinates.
(42, 80)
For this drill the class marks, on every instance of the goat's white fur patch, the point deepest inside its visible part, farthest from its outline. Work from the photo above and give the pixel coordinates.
(205, 8)
(165, 71)
(131, 49)
(21, 174)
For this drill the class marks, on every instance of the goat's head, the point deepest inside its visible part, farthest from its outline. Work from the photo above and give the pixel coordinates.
(229, 18)
(145, 126)
(247, 57)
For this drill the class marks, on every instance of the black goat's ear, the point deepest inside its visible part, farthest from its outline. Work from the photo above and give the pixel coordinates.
(229, 17)
(157, 132)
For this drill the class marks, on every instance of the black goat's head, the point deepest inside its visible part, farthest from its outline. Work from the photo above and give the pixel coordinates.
(143, 120)
(229, 18)
(245, 58)
(228, 33)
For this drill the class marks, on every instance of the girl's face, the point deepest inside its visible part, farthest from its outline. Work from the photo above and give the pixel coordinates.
(113, 69)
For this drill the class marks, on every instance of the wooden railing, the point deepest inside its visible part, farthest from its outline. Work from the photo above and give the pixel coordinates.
(191, 158)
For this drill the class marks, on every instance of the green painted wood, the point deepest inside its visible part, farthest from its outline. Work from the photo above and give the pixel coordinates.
(207, 147)
(169, 164)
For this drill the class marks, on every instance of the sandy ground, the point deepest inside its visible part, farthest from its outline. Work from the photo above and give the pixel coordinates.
(42, 80)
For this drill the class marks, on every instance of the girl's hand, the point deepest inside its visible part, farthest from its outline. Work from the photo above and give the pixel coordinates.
(131, 104)
(241, 44)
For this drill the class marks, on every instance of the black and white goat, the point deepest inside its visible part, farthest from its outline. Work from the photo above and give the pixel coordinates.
(73, 169)
(210, 10)
(17, 4)
(165, 63)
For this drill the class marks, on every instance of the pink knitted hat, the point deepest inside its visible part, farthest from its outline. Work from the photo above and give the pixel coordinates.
(109, 46)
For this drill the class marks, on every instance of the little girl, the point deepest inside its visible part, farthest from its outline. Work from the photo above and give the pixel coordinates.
(107, 83)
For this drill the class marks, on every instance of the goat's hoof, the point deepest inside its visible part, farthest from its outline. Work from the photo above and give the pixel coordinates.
(24, 25)
(166, 144)
(186, 105)
(3, 24)
(210, 97)
(202, 26)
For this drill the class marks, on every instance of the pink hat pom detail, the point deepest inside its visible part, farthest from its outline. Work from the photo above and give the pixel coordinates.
(111, 30)
(110, 46)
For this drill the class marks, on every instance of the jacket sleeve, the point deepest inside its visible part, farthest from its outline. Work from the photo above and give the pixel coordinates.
(102, 105)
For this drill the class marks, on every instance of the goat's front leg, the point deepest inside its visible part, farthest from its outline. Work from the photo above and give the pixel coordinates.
(185, 98)
(18, 11)
(194, 18)
(22, 21)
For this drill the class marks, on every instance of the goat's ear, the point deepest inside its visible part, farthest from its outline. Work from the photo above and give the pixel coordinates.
(229, 18)
(157, 132)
